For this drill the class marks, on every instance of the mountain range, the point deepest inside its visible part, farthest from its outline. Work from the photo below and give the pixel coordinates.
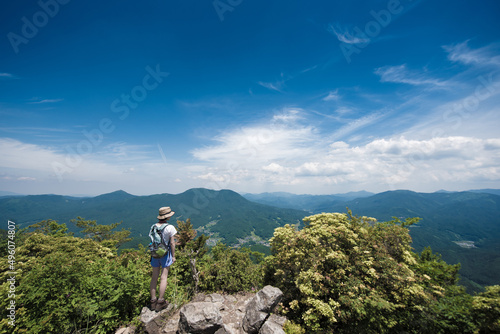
(462, 226)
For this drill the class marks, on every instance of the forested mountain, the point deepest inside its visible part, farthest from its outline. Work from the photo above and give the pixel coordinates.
(462, 226)
(225, 215)
(311, 203)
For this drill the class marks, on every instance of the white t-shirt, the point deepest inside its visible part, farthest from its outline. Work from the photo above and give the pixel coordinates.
(168, 232)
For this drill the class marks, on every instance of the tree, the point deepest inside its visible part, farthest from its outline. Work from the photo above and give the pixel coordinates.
(103, 233)
(50, 227)
(66, 284)
(486, 309)
(196, 249)
(231, 270)
(190, 249)
(185, 233)
(349, 274)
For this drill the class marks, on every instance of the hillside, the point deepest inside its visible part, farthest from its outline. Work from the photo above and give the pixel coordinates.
(463, 226)
(310, 203)
(225, 215)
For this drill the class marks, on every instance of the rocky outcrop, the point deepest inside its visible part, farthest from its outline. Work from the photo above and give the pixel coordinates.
(216, 314)
(200, 318)
(259, 308)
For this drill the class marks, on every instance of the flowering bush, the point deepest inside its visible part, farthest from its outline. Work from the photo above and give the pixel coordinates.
(348, 274)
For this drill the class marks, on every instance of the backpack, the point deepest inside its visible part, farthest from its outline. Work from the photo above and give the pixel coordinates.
(157, 247)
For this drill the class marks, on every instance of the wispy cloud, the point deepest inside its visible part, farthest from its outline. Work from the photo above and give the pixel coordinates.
(401, 74)
(115, 166)
(46, 101)
(332, 96)
(462, 53)
(344, 36)
(303, 157)
(6, 76)
(277, 85)
(356, 125)
(280, 137)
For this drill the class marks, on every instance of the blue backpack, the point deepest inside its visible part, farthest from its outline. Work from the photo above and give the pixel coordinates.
(157, 247)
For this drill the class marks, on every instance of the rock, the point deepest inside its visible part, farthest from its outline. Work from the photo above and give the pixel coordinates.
(216, 314)
(125, 330)
(259, 307)
(200, 318)
(153, 321)
(147, 315)
(223, 330)
(273, 325)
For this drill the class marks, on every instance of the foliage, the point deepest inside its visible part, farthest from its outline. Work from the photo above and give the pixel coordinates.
(339, 274)
(349, 274)
(103, 233)
(196, 249)
(50, 227)
(449, 310)
(185, 233)
(230, 270)
(292, 328)
(66, 284)
(486, 309)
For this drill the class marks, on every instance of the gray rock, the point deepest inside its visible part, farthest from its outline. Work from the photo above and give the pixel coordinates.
(223, 330)
(273, 325)
(259, 307)
(154, 321)
(125, 330)
(200, 318)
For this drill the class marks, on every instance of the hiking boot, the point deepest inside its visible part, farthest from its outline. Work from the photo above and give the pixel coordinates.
(161, 304)
(153, 304)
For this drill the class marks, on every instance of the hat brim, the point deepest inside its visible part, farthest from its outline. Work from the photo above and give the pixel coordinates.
(168, 215)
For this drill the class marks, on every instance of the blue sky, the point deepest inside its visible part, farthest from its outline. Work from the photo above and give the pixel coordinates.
(317, 97)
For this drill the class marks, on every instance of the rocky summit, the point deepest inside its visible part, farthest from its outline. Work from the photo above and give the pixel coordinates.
(216, 314)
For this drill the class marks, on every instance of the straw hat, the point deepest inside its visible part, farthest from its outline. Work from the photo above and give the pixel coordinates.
(165, 212)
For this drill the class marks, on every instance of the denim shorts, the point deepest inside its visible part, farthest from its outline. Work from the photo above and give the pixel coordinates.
(164, 262)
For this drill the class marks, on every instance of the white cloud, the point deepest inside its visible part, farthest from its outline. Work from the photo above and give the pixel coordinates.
(401, 74)
(7, 76)
(274, 168)
(462, 53)
(299, 157)
(47, 101)
(277, 86)
(332, 96)
(346, 37)
(279, 138)
(111, 167)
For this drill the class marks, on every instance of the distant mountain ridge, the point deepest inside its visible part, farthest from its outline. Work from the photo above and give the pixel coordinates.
(462, 226)
(224, 214)
(310, 203)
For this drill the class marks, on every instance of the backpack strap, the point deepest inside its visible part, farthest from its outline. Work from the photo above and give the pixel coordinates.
(160, 233)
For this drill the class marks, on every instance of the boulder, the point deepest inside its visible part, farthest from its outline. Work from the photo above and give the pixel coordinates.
(273, 325)
(153, 321)
(200, 318)
(259, 307)
(216, 314)
(125, 330)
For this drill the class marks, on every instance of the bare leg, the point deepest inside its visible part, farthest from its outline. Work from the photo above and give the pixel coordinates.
(154, 282)
(163, 282)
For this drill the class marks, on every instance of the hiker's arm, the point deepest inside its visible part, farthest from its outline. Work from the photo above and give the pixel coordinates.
(172, 247)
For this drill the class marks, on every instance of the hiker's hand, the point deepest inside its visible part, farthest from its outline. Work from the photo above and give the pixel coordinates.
(173, 259)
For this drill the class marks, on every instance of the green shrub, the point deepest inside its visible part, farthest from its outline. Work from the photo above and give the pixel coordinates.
(68, 284)
(230, 270)
(486, 309)
(345, 274)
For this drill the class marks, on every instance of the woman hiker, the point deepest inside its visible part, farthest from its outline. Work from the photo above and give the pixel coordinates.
(161, 265)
